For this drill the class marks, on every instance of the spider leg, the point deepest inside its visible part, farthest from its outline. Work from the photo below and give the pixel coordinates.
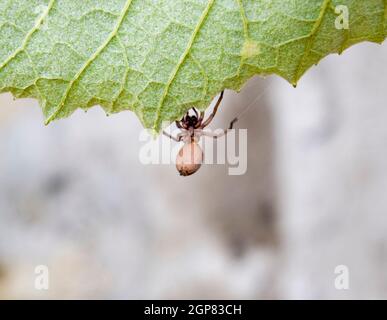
(177, 139)
(219, 135)
(200, 120)
(178, 124)
(196, 112)
(201, 117)
(207, 122)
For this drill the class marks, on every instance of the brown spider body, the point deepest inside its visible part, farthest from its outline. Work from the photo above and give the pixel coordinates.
(190, 157)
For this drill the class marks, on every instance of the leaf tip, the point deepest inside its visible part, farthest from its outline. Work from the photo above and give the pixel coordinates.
(48, 120)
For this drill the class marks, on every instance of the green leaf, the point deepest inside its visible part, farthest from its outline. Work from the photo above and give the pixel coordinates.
(161, 57)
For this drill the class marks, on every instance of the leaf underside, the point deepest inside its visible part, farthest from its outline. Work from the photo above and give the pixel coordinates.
(159, 58)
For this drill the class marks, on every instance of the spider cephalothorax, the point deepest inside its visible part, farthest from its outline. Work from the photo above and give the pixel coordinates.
(191, 121)
(190, 156)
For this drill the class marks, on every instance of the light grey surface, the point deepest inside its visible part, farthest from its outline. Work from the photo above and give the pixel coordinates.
(331, 144)
(74, 197)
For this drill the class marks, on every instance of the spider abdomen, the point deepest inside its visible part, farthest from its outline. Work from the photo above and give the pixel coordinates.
(189, 159)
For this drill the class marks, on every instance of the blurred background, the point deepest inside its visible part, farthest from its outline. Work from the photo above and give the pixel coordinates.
(75, 197)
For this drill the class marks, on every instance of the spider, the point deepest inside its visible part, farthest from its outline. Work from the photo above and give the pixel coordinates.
(190, 157)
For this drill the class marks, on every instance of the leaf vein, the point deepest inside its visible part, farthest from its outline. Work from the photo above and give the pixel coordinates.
(311, 37)
(90, 60)
(181, 61)
(28, 36)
